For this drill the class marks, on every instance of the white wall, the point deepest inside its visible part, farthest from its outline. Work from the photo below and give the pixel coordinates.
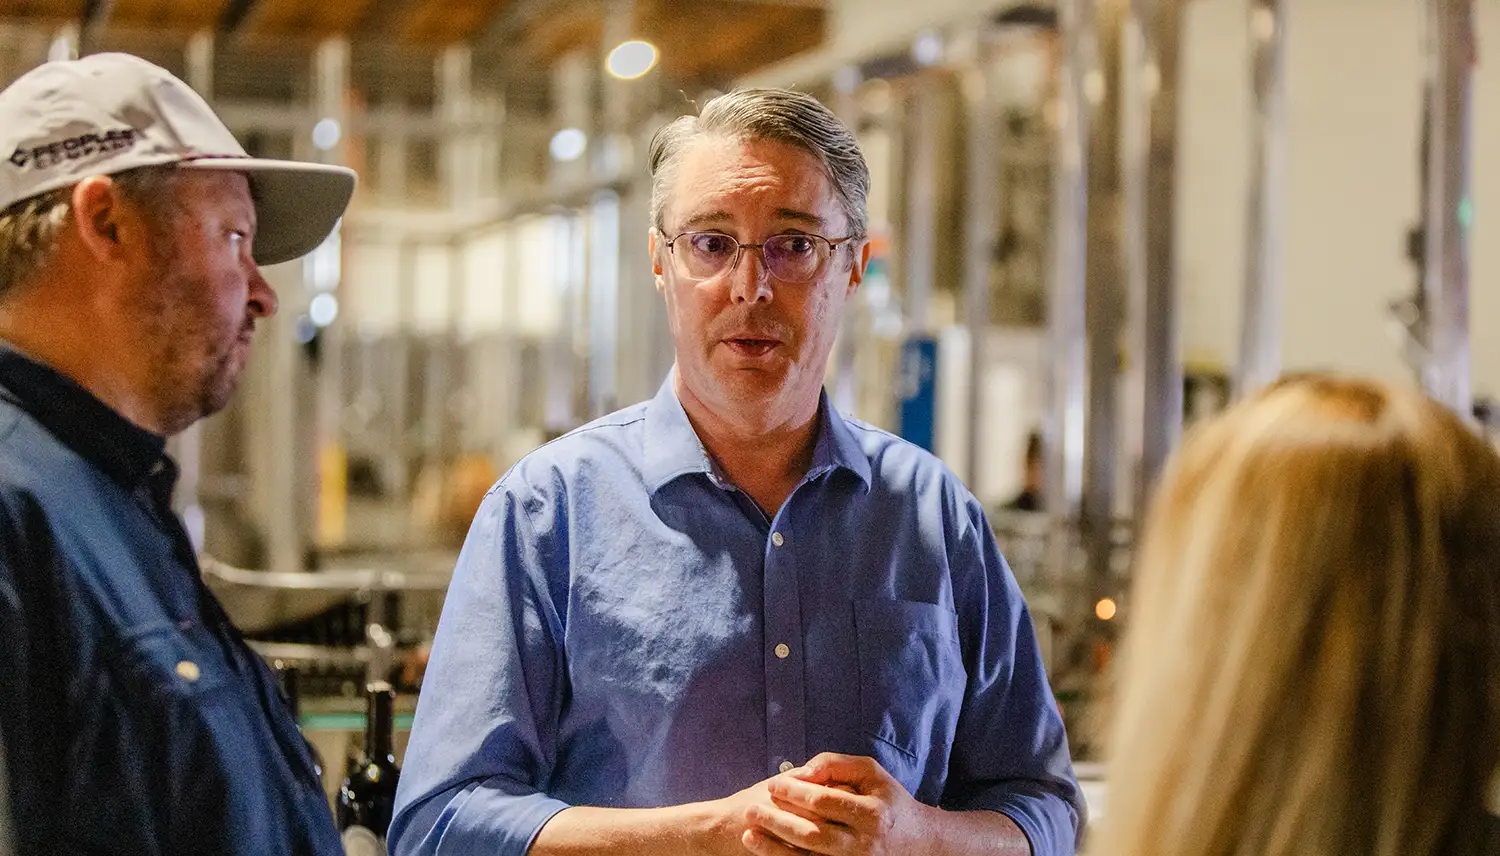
(1354, 73)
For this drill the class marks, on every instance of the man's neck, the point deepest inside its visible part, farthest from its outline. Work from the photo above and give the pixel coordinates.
(50, 335)
(766, 462)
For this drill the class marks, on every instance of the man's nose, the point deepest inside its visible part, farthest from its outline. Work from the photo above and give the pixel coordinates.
(749, 281)
(263, 301)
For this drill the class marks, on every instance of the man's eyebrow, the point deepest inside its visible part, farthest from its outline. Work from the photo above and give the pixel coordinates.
(802, 217)
(704, 219)
(715, 217)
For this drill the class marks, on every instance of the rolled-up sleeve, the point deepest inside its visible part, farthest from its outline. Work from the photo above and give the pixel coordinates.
(484, 739)
(1010, 752)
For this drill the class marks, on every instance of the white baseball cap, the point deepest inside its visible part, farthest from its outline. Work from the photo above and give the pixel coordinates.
(106, 113)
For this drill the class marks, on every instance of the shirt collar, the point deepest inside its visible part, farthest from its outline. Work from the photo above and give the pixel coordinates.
(125, 451)
(673, 449)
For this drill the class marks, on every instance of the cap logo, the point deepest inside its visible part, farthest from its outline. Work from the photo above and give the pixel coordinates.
(73, 148)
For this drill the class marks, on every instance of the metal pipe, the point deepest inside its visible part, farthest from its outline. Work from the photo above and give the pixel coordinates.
(277, 429)
(403, 446)
(323, 272)
(187, 447)
(1260, 320)
(200, 63)
(1159, 322)
(1063, 429)
(1449, 205)
(64, 44)
(922, 210)
(1105, 294)
(982, 221)
(842, 392)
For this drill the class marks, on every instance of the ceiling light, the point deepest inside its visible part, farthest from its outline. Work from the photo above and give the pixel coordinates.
(324, 308)
(326, 134)
(568, 144)
(632, 59)
(927, 49)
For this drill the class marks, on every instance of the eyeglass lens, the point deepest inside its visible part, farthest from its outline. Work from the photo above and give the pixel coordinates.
(790, 258)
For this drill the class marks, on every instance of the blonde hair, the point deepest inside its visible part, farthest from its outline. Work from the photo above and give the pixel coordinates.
(1313, 660)
(28, 235)
(29, 229)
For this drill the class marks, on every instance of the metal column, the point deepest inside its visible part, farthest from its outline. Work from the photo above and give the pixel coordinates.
(405, 438)
(1260, 320)
(274, 467)
(1449, 206)
(64, 44)
(982, 229)
(1063, 431)
(187, 448)
(461, 154)
(1153, 282)
(845, 105)
(200, 63)
(323, 273)
(922, 204)
(1105, 291)
(574, 78)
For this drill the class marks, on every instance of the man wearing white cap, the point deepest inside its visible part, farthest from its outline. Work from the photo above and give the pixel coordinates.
(135, 718)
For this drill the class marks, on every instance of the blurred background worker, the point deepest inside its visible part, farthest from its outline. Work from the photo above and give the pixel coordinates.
(132, 225)
(1314, 661)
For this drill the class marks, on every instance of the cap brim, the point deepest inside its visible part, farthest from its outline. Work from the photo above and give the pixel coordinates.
(296, 204)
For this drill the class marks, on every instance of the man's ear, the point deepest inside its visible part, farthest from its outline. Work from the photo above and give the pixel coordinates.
(101, 219)
(861, 261)
(653, 246)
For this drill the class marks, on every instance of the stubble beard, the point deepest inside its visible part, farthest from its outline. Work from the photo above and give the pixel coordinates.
(194, 372)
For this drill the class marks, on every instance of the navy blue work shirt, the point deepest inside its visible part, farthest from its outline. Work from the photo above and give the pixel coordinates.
(627, 629)
(135, 719)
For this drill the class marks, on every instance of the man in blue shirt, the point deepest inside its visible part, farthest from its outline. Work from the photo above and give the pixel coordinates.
(135, 719)
(732, 620)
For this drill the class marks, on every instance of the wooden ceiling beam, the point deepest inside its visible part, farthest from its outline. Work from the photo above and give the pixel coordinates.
(234, 15)
(303, 21)
(165, 16)
(42, 11)
(712, 44)
(444, 22)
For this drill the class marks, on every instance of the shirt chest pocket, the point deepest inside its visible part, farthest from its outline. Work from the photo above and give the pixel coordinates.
(911, 682)
(164, 664)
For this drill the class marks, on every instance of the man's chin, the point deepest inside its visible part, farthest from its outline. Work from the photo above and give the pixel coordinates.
(744, 387)
(217, 394)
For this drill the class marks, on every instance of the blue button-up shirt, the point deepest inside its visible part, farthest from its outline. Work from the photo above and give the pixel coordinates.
(135, 719)
(627, 629)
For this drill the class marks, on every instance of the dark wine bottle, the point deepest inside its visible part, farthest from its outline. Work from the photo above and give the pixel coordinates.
(369, 790)
(291, 687)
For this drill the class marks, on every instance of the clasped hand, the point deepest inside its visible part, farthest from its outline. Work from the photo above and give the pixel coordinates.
(834, 805)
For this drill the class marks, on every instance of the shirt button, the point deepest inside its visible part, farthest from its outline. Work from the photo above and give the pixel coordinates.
(189, 671)
(785, 765)
(777, 539)
(782, 651)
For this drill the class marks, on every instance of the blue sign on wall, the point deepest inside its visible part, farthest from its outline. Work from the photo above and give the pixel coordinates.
(916, 392)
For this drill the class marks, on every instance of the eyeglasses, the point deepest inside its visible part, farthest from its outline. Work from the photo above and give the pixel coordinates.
(794, 258)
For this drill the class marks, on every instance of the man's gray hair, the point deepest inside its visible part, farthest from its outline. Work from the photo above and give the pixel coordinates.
(29, 229)
(780, 115)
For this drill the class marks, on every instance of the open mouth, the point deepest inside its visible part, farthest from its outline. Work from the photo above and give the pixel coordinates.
(752, 347)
